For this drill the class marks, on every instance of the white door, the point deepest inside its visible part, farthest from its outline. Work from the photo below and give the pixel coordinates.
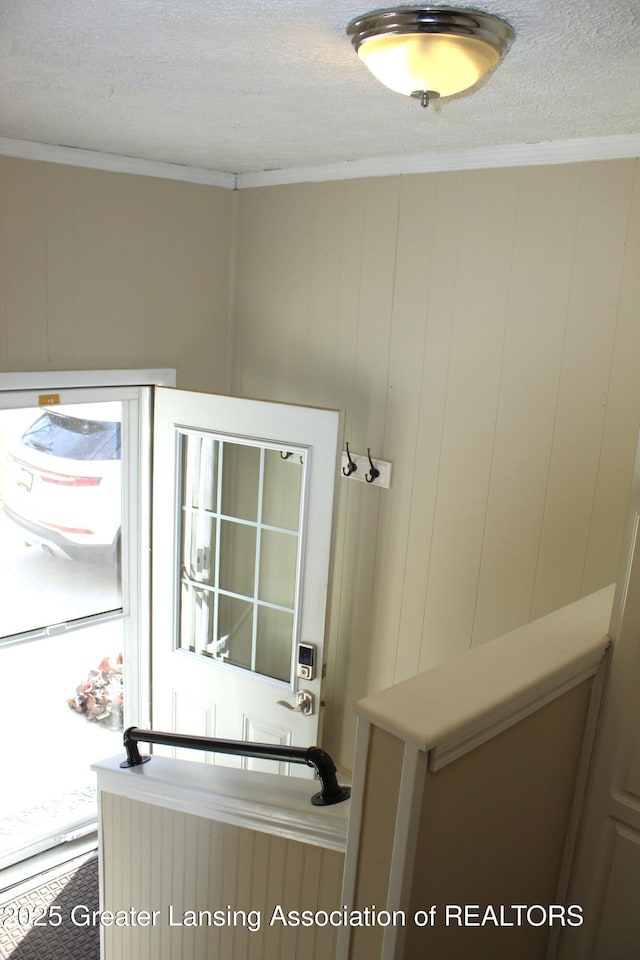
(242, 506)
(607, 869)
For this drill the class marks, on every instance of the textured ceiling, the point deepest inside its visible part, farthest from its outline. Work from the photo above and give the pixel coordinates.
(252, 85)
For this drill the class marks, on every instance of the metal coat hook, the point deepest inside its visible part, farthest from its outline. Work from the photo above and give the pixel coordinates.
(373, 472)
(351, 467)
(287, 454)
(362, 468)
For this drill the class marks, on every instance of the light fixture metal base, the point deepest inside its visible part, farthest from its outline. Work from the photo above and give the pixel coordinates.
(447, 21)
(426, 96)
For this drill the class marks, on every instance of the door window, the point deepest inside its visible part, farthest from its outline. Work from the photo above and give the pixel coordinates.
(240, 523)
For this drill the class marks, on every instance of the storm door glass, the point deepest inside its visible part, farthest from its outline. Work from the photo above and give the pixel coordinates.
(63, 468)
(239, 539)
(61, 514)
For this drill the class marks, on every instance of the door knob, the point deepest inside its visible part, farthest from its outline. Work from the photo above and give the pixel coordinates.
(303, 704)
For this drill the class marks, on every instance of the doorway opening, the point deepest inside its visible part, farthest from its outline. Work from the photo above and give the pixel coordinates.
(230, 652)
(73, 521)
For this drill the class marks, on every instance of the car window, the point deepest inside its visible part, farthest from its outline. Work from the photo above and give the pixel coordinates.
(73, 437)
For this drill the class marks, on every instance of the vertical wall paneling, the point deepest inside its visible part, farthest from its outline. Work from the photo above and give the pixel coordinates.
(355, 200)
(320, 319)
(187, 261)
(309, 897)
(4, 245)
(104, 270)
(165, 263)
(194, 864)
(143, 946)
(409, 318)
(482, 328)
(594, 291)
(291, 895)
(259, 888)
(97, 284)
(227, 843)
(137, 317)
(482, 275)
(278, 250)
(377, 278)
(364, 427)
(170, 943)
(528, 397)
(59, 227)
(277, 869)
(155, 873)
(420, 467)
(622, 415)
(331, 873)
(214, 887)
(25, 278)
(345, 617)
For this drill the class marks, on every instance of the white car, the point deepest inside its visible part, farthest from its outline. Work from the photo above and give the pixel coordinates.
(64, 481)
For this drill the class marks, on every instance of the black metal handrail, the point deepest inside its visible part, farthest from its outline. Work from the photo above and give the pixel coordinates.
(332, 791)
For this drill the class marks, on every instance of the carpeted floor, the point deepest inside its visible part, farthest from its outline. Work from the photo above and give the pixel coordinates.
(36, 920)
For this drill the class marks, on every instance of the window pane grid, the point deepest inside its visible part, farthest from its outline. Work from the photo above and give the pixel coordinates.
(256, 601)
(223, 492)
(215, 515)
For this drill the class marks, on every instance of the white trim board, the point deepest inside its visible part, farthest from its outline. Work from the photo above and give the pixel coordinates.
(64, 379)
(613, 147)
(113, 162)
(280, 806)
(505, 155)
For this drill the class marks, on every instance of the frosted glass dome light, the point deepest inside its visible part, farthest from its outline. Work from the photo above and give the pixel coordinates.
(428, 52)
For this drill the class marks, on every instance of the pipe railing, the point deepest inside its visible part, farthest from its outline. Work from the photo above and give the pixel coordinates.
(331, 792)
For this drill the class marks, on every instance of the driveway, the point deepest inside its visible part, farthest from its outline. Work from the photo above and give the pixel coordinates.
(38, 589)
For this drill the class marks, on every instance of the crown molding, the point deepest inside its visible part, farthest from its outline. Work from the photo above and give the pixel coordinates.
(113, 163)
(475, 158)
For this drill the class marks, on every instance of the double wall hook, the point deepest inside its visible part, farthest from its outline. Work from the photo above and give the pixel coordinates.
(373, 473)
(352, 466)
(363, 468)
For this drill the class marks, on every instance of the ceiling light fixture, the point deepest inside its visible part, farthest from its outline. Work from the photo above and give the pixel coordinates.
(429, 52)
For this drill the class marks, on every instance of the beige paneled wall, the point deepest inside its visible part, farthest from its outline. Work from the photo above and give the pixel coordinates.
(481, 330)
(109, 270)
(174, 865)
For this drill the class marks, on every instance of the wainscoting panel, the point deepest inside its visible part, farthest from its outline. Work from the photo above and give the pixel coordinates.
(155, 859)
